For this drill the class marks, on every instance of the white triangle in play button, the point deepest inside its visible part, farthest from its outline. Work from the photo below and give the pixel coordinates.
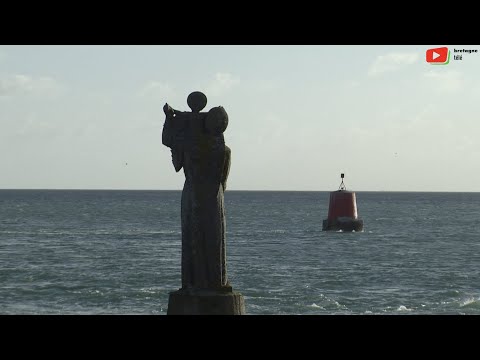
(435, 55)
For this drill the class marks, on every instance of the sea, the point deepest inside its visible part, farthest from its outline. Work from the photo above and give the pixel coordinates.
(118, 252)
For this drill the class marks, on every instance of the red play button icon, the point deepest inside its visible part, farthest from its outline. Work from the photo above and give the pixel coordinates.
(438, 55)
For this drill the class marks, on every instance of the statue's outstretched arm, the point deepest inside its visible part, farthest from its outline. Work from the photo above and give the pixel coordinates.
(168, 133)
(169, 137)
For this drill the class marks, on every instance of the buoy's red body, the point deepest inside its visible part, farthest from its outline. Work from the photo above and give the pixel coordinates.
(342, 212)
(342, 204)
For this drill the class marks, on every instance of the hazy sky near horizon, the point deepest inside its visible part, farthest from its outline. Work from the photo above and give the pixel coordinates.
(90, 117)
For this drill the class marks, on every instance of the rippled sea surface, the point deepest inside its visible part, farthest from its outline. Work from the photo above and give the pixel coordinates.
(118, 252)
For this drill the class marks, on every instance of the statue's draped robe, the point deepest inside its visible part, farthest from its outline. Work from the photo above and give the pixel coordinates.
(206, 162)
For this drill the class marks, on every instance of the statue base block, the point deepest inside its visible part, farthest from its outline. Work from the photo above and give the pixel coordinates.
(206, 302)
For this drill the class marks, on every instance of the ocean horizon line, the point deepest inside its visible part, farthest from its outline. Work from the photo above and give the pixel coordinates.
(233, 190)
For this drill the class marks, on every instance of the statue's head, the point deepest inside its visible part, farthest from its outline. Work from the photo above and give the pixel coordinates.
(216, 121)
(197, 101)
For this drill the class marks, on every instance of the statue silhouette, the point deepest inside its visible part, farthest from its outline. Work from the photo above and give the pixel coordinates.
(198, 146)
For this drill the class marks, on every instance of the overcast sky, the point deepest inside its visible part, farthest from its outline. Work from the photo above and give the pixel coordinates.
(90, 117)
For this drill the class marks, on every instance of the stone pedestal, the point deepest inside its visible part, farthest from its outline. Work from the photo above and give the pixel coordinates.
(205, 302)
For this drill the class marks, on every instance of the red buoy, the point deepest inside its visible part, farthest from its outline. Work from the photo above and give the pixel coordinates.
(342, 211)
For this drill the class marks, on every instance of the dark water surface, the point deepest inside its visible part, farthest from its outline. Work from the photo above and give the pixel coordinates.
(118, 252)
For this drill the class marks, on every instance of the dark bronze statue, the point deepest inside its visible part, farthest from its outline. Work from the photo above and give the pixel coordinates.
(198, 146)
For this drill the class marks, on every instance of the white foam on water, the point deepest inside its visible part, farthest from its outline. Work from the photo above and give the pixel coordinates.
(337, 303)
(316, 306)
(469, 301)
(148, 290)
(274, 231)
(282, 290)
(403, 308)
